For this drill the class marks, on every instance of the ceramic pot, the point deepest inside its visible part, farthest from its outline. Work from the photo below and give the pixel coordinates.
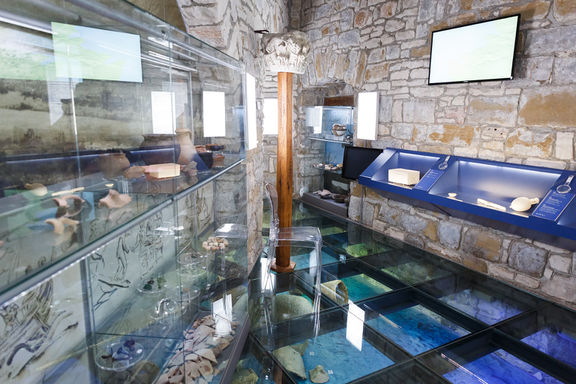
(187, 149)
(113, 164)
(159, 149)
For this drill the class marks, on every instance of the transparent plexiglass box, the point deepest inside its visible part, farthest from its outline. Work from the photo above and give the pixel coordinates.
(122, 154)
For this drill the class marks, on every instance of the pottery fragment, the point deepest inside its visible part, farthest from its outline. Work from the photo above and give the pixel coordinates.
(319, 375)
(291, 361)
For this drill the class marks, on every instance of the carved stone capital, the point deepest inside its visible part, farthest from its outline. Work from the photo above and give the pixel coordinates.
(286, 52)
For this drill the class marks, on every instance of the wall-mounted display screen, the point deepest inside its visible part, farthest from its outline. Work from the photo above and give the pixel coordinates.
(357, 159)
(91, 53)
(476, 52)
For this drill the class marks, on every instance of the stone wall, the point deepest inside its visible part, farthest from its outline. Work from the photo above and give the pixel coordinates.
(229, 26)
(383, 45)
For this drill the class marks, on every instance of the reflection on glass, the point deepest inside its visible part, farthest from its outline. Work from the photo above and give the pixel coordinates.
(355, 325)
(214, 113)
(163, 112)
(222, 314)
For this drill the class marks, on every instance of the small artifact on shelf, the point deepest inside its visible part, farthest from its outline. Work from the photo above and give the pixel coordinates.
(452, 195)
(338, 129)
(68, 191)
(162, 171)
(114, 199)
(335, 290)
(195, 360)
(340, 198)
(133, 172)
(215, 147)
(36, 189)
(215, 244)
(112, 164)
(403, 176)
(61, 223)
(325, 194)
(62, 204)
(522, 204)
(120, 356)
(319, 375)
(490, 204)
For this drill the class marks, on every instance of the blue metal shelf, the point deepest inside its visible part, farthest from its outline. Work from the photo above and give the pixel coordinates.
(471, 179)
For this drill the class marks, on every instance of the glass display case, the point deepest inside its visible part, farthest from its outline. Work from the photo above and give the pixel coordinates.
(333, 126)
(122, 154)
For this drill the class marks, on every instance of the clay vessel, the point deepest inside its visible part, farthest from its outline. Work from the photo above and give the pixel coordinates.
(187, 149)
(114, 200)
(112, 164)
(158, 149)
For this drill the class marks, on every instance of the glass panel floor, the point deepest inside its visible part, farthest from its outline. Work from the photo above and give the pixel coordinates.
(391, 313)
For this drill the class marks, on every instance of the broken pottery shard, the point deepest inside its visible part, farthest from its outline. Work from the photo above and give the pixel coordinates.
(192, 370)
(208, 354)
(205, 368)
(114, 200)
(319, 375)
(61, 223)
(291, 360)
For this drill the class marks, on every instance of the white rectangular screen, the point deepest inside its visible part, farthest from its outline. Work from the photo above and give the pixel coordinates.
(482, 51)
(214, 113)
(91, 53)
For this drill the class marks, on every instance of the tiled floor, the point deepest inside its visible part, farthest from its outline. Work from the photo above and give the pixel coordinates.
(412, 317)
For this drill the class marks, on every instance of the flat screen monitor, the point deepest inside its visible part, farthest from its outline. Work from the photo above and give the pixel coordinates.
(475, 52)
(357, 159)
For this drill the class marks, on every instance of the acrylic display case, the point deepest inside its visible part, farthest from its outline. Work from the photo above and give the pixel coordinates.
(533, 202)
(114, 179)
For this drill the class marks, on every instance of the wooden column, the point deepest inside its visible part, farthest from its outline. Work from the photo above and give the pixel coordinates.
(284, 179)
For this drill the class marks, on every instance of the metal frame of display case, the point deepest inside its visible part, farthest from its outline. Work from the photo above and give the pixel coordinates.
(179, 45)
(469, 178)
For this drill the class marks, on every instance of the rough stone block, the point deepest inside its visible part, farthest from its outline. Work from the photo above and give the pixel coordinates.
(454, 134)
(533, 10)
(349, 39)
(526, 281)
(449, 234)
(527, 258)
(548, 107)
(475, 264)
(565, 10)
(526, 142)
(418, 111)
(394, 25)
(560, 263)
(565, 145)
(482, 244)
(565, 69)
(493, 110)
(550, 41)
(561, 287)
(501, 272)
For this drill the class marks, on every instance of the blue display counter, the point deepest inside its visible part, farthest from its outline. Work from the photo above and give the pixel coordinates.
(484, 191)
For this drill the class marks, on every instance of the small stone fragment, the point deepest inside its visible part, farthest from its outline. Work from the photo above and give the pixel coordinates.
(291, 360)
(319, 375)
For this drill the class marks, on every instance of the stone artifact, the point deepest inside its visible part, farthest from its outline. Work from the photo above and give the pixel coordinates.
(62, 204)
(114, 199)
(403, 176)
(291, 361)
(194, 360)
(521, 204)
(335, 290)
(112, 164)
(36, 189)
(289, 306)
(490, 204)
(319, 375)
(61, 223)
(286, 52)
(301, 348)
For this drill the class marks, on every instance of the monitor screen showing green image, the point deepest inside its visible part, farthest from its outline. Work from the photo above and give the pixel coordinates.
(98, 54)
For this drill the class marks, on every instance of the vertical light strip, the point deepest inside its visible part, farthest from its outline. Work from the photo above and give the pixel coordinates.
(214, 113)
(163, 112)
(251, 111)
(270, 116)
(367, 115)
